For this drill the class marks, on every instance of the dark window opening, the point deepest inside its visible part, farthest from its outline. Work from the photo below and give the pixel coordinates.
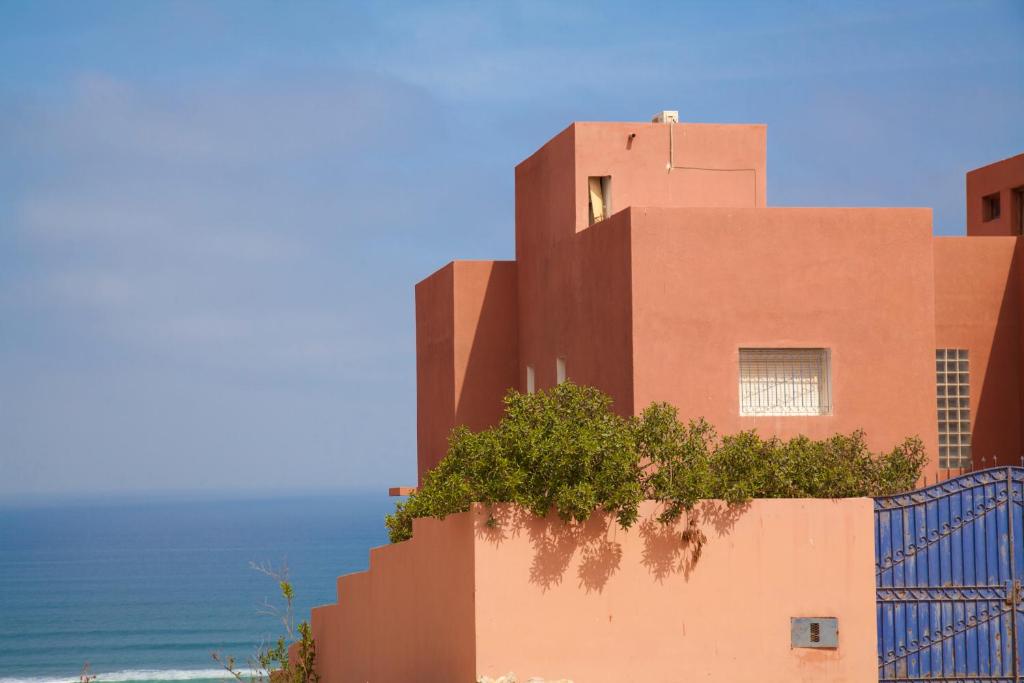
(990, 209)
(1018, 210)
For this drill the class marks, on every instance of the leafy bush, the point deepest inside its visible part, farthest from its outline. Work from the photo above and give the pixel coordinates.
(564, 449)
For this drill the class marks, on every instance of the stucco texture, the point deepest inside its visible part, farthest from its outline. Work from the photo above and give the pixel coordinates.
(596, 604)
(655, 302)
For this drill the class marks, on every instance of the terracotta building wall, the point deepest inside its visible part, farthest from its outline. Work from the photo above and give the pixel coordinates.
(583, 315)
(545, 214)
(435, 365)
(654, 303)
(599, 604)
(595, 319)
(712, 164)
(859, 282)
(410, 617)
(466, 350)
(977, 307)
(603, 605)
(486, 340)
(1000, 178)
(1019, 290)
(574, 291)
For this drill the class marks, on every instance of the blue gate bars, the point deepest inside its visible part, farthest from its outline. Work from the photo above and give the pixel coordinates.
(949, 561)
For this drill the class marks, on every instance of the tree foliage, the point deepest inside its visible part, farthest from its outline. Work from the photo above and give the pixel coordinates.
(564, 449)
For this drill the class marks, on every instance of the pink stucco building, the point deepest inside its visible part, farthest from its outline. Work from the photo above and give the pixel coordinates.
(595, 604)
(650, 264)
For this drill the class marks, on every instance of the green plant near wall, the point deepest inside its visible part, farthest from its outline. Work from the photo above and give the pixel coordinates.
(292, 658)
(565, 449)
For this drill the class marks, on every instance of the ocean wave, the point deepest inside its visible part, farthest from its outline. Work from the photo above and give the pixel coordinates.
(132, 675)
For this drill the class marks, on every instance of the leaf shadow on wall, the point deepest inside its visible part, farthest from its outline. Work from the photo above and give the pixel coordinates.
(676, 548)
(555, 543)
(667, 549)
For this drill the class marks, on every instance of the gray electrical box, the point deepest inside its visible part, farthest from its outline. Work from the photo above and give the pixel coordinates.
(820, 632)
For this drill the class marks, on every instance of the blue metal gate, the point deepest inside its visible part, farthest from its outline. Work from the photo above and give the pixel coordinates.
(949, 560)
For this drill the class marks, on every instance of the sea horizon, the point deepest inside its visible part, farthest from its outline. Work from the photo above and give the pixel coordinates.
(10, 499)
(146, 590)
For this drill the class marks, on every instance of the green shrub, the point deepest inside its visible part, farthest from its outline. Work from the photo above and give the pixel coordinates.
(274, 664)
(564, 449)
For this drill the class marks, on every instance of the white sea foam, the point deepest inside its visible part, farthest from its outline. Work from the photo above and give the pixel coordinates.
(133, 675)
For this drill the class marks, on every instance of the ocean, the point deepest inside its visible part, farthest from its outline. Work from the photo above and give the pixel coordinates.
(145, 591)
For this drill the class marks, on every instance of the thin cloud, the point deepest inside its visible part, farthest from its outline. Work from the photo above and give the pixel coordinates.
(211, 222)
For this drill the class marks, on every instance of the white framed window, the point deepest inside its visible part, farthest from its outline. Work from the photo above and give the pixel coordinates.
(785, 382)
(531, 380)
(953, 402)
(560, 369)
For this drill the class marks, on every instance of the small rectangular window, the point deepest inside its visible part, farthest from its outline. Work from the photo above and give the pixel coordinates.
(531, 380)
(599, 191)
(785, 382)
(952, 393)
(560, 370)
(990, 208)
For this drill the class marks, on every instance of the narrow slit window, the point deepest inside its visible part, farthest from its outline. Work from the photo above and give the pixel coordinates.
(599, 190)
(531, 380)
(953, 407)
(560, 370)
(990, 208)
(1018, 210)
(785, 382)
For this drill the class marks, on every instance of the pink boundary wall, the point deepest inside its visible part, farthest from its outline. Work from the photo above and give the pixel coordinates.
(594, 603)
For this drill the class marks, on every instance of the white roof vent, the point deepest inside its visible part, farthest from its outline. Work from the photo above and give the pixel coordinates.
(667, 116)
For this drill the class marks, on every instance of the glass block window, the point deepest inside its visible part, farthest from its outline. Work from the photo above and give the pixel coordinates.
(952, 386)
(785, 382)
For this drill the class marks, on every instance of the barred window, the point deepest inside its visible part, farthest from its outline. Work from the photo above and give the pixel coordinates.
(785, 382)
(952, 387)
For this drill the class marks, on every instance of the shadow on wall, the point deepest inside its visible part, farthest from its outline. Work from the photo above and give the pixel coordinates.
(995, 409)
(667, 548)
(492, 364)
(674, 548)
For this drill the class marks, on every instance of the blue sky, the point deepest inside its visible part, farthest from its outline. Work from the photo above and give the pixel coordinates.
(212, 214)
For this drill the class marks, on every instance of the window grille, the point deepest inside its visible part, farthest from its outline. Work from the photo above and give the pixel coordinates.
(785, 382)
(952, 387)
